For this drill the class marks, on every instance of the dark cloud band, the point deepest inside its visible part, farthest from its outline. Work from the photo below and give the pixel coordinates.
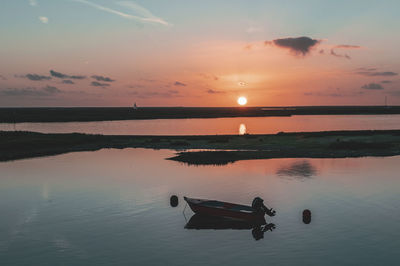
(177, 83)
(372, 86)
(102, 78)
(31, 91)
(98, 84)
(65, 76)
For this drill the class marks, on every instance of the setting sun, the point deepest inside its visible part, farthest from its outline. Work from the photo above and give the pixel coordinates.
(242, 100)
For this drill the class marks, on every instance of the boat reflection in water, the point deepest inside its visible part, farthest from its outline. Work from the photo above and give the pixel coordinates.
(258, 227)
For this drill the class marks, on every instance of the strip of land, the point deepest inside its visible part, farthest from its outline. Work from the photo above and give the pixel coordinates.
(86, 114)
(221, 149)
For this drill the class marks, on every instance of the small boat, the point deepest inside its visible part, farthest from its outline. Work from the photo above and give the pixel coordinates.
(230, 210)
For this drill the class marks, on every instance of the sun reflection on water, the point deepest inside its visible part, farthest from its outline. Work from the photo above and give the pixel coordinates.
(242, 129)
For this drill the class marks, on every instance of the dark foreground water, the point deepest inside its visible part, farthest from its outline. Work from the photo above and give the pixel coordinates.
(111, 207)
(212, 126)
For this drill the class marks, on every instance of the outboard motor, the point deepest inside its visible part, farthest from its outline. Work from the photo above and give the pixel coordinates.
(258, 206)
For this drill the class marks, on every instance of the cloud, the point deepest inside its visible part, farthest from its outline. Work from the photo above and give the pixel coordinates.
(147, 16)
(386, 81)
(51, 89)
(394, 93)
(339, 55)
(31, 91)
(137, 86)
(209, 76)
(67, 81)
(101, 78)
(366, 69)
(98, 84)
(211, 91)
(143, 15)
(332, 94)
(36, 77)
(44, 20)
(372, 86)
(177, 83)
(371, 72)
(65, 76)
(347, 46)
(2, 77)
(32, 2)
(298, 45)
(155, 94)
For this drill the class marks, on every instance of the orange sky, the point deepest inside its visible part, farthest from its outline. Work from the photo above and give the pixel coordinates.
(172, 54)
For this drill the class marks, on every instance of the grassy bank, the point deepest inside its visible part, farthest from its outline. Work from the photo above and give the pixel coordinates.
(330, 144)
(80, 114)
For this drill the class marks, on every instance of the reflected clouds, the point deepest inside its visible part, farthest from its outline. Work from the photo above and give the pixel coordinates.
(301, 170)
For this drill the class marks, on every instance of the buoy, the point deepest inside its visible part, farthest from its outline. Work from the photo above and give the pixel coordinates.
(173, 201)
(306, 216)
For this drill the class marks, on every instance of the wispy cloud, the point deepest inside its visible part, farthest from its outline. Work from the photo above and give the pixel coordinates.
(340, 55)
(143, 15)
(67, 81)
(34, 77)
(345, 47)
(32, 2)
(65, 76)
(211, 91)
(102, 78)
(372, 86)
(31, 91)
(348, 46)
(156, 94)
(146, 15)
(371, 72)
(98, 84)
(177, 83)
(209, 76)
(44, 20)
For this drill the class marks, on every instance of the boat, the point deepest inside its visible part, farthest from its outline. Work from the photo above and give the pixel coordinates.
(230, 210)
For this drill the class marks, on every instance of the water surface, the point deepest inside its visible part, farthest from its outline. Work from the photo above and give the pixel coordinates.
(111, 207)
(212, 126)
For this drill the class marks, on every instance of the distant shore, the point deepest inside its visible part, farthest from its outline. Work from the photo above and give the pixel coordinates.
(221, 149)
(87, 114)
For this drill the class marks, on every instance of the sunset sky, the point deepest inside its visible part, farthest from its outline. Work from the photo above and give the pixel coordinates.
(199, 53)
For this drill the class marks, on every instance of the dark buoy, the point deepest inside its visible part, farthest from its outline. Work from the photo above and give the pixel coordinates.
(173, 201)
(306, 216)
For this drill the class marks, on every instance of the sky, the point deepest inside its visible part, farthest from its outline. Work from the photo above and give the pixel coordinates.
(199, 53)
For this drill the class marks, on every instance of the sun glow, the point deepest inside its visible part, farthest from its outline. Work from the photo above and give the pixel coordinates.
(242, 100)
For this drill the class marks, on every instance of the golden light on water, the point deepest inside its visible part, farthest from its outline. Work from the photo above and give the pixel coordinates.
(242, 100)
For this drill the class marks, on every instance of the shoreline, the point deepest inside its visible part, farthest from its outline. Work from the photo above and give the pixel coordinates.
(226, 149)
(93, 114)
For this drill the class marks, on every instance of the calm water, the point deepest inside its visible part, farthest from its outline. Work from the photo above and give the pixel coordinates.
(237, 125)
(111, 207)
